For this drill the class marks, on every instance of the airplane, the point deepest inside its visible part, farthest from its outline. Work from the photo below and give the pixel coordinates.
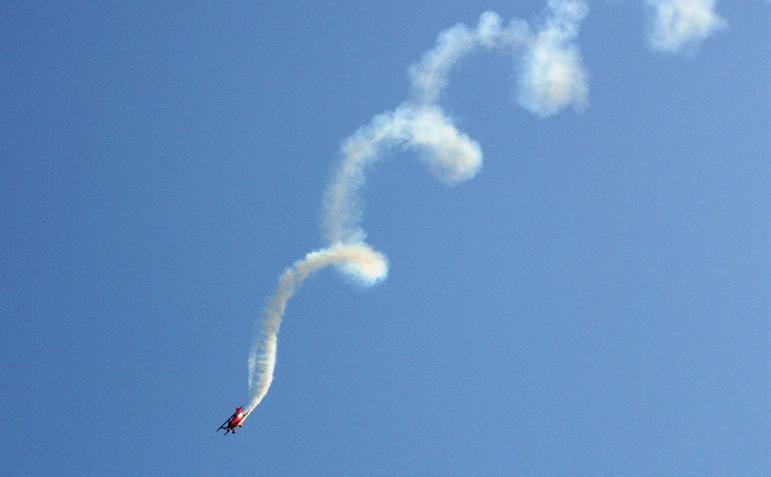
(236, 420)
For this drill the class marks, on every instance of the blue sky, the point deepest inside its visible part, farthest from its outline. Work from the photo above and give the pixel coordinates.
(594, 302)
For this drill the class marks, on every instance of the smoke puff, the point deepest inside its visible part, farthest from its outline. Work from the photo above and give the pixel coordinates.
(365, 265)
(553, 75)
(678, 24)
(452, 156)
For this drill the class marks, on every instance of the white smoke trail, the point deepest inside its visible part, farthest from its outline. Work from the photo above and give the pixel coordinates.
(452, 156)
(357, 259)
(552, 77)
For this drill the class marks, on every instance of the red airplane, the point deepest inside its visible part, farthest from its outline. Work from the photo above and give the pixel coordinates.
(236, 420)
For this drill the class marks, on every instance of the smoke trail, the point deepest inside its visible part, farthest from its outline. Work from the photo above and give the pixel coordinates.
(358, 260)
(552, 78)
(452, 156)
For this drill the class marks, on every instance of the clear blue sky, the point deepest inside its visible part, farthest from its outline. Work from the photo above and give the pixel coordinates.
(595, 302)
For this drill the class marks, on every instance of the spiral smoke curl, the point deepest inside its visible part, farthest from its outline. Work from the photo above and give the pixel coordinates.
(551, 77)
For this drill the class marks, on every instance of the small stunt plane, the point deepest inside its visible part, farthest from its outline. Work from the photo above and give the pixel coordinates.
(236, 420)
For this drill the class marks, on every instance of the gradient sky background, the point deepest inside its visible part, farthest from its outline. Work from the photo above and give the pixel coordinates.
(594, 302)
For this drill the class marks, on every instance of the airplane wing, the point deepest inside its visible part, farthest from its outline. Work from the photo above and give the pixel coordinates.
(225, 424)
